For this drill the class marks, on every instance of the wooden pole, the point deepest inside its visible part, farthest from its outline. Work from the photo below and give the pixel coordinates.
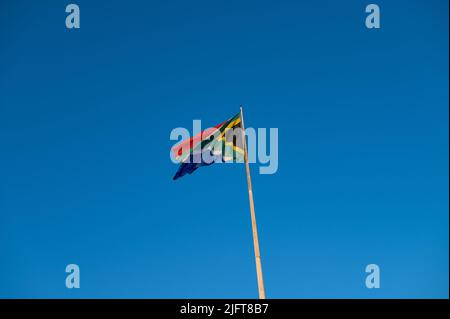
(259, 273)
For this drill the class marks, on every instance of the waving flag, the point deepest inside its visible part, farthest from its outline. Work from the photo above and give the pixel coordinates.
(222, 143)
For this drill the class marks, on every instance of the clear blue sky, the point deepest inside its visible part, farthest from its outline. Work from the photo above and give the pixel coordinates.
(86, 178)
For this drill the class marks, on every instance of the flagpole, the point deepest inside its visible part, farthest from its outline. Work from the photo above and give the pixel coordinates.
(259, 273)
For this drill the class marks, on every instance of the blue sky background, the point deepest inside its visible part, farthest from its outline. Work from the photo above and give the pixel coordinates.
(86, 178)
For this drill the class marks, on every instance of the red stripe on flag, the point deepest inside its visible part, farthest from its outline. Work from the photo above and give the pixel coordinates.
(189, 143)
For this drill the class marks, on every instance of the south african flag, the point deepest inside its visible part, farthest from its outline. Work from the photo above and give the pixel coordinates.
(221, 143)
